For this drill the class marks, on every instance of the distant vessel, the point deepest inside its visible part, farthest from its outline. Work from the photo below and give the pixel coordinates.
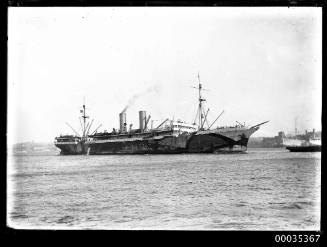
(309, 148)
(167, 138)
(309, 142)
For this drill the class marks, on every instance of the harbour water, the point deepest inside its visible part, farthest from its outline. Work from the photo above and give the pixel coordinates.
(263, 189)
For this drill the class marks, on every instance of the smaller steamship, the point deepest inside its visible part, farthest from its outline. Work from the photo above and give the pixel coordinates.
(308, 142)
(169, 137)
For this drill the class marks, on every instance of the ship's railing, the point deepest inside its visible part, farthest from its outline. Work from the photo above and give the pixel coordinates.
(146, 134)
(232, 127)
(67, 138)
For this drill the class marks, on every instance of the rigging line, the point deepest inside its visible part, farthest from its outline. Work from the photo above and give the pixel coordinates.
(196, 116)
(86, 127)
(216, 119)
(72, 129)
(80, 121)
(162, 123)
(87, 132)
(96, 129)
(207, 122)
(205, 117)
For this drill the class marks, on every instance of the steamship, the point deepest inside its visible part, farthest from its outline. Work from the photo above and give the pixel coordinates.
(169, 137)
(308, 142)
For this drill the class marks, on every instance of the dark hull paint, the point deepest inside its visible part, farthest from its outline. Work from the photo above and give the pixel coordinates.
(213, 142)
(167, 145)
(207, 143)
(71, 149)
(304, 148)
(202, 143)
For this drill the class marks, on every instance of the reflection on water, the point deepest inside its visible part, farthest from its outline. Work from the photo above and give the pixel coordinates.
(264, 189)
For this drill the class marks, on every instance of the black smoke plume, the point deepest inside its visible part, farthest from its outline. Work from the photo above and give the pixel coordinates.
(132, 100)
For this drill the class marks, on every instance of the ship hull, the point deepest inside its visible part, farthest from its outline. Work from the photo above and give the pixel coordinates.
(215, 143)
(164, 145)
(304, 148)
(71, 148)
(200, 142)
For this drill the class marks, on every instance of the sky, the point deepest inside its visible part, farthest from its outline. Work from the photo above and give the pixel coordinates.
(257, 64)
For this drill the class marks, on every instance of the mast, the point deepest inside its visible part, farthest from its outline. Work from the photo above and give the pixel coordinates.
(200, 107)
(84, 119)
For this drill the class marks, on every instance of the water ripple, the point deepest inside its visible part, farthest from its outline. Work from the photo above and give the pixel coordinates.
(262, 190)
